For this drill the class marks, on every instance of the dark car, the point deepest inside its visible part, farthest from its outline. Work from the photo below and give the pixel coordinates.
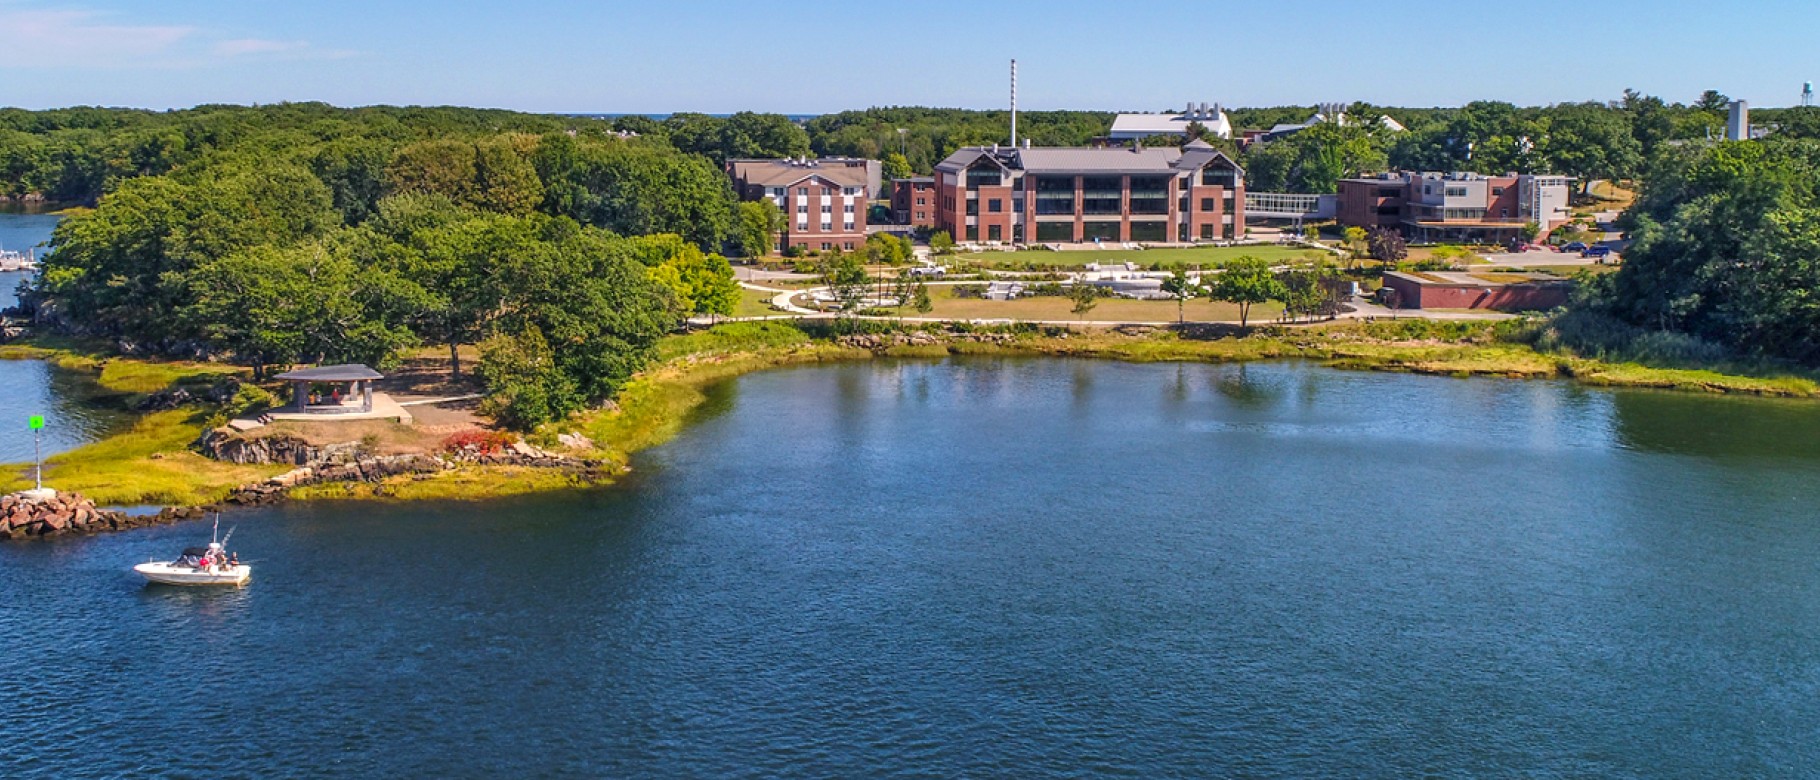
(1577, 246)
(1596, 251)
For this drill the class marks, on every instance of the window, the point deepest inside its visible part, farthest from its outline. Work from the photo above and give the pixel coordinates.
(847, 226)
(803, 191)
(777, 192)
(1207, 204)
(827, 246)
(1055, 195)
(827, 209)
(1207, 232)
(802, 227)
(973, 208)
(1149, 231)
(802, 208)
(1502, 213)
(1496, 191)
(827, 227)
(983, 177)
(994, 233)
(1105, 231)
(1101, 194)
(995, 205)
(922, 215)
(922, 201)
(1455, 192)
(848, 208)
(973, 232)
(849, 192)
(848, 246)
(1219, 177)
(1055, 231)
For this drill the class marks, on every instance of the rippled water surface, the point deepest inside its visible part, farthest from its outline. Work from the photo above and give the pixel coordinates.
(21, 232)
(998, 568)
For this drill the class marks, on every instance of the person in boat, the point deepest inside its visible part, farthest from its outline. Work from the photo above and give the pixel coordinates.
(233, 559)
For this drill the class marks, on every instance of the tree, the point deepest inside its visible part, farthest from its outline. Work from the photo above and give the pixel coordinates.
(920, 298)
(897, 166)
(1530, 231)
(700, 283)
(1179, 288)
(1085, 296)
(1311, 234)
(1589, 142)
(941, 242)
(1387, 245)
(525, 385)
(759, 223)
(1799, 122)
(1714, 101)
(1355, 240)
(1245, 281)
(1305, 291)
(844, 274)
(887, 249)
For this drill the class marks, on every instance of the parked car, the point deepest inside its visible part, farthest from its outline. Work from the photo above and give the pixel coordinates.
(1577, 246)
(1600, 252)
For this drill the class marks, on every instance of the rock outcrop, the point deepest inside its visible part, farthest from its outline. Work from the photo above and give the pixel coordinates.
(25, 516)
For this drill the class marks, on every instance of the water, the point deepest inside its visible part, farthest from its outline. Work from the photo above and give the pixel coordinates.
(998, 568)
(21, 231)
(74, 414)
(75, 410)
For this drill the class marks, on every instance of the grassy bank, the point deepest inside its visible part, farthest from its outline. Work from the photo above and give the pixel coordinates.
(151, 462)
(148, 463)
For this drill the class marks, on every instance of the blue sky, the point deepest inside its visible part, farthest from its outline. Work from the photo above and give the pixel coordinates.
(811, 57)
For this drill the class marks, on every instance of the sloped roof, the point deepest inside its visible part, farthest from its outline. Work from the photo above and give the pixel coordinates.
(346, 372)
(1095, 160)
(783, 173)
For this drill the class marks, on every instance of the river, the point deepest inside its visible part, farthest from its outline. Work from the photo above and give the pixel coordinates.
(997, 568)
(74, 413)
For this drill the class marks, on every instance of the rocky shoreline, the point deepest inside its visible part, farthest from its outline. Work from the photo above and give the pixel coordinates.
(48, 514)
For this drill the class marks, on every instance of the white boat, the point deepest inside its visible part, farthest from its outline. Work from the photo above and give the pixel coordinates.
(211, 565)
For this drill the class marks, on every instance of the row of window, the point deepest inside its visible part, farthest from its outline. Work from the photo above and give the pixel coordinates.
(827, 227)
(803, 208)
(778, 192)
(826, 245)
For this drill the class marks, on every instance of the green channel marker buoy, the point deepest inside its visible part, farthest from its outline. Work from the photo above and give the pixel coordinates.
(37, 423)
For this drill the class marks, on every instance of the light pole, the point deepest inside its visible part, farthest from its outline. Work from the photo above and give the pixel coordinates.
(37, 425)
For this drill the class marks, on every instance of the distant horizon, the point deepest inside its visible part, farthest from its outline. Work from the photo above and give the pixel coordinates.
(799, 115)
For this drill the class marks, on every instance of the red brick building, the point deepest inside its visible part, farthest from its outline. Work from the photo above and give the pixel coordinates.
(913, 201)
(1031, 195)
(1460, 207)
(1453, 290)
(823, 201)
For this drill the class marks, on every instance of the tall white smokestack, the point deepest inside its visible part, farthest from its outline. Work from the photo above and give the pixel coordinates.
(1014, 104)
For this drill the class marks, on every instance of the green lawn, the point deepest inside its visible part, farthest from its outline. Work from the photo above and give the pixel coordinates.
(1188, 256)
(1057, 308)
(753, 303)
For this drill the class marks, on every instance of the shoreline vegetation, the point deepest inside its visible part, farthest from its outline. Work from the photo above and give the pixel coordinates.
(151, 461)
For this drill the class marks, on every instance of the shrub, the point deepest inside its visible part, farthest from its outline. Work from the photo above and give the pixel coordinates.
(483, 442)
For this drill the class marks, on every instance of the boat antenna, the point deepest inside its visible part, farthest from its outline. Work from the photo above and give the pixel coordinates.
(215, 536)
(224, 539)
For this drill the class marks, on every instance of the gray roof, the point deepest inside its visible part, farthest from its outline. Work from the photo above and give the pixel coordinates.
(1090, 161)
(346, 372)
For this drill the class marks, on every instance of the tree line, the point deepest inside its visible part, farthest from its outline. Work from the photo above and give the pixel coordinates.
(562, 255)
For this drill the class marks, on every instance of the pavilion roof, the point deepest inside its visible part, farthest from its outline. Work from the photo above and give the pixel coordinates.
(347, 372)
